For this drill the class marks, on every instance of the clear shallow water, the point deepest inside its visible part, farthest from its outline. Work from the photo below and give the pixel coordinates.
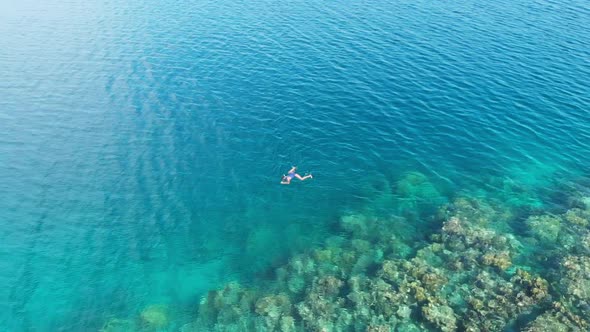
(141, 143)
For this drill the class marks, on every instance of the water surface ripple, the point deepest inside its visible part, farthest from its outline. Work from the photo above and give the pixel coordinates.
(141, 143)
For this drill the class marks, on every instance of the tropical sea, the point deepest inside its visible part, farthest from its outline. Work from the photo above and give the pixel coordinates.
(142, 144)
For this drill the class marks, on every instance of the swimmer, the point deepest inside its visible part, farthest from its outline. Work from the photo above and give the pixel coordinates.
(287, 178)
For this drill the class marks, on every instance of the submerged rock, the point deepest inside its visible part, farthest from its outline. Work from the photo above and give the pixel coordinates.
(415, 193)
(155, 316)
(559, 319)
(441, 316)
(118, 325)
(575, 283)
(544, 227)
(578, 217)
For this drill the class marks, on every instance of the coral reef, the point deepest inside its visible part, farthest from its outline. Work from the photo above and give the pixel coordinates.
(484, 266)
(359, 283)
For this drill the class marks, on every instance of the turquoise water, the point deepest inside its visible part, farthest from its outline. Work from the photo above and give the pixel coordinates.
(141, 142)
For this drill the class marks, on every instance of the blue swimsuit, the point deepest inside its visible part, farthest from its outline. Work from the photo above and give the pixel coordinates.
(291, 175)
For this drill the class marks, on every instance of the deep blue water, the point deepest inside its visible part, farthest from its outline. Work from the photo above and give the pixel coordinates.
(142, 142)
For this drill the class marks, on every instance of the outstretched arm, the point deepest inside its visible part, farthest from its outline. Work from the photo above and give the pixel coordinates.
(293, 168)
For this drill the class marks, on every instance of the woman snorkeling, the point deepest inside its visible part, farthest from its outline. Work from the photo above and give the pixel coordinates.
(287, 178)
